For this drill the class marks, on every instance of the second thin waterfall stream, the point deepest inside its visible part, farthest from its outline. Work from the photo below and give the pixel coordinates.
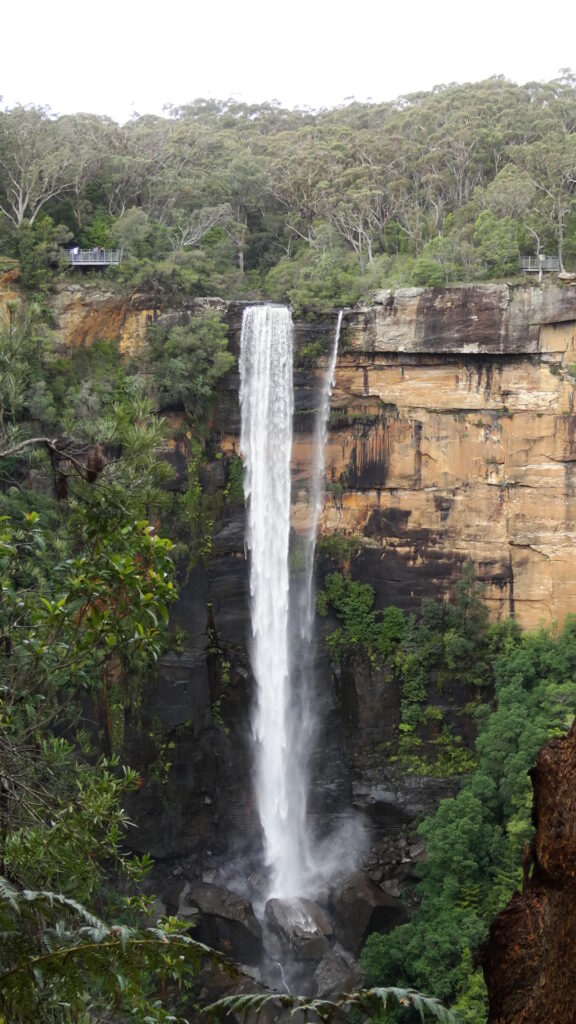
(283, 722)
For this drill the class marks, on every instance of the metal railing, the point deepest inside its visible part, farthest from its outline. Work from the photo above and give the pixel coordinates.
(93, 257)
(533, 264)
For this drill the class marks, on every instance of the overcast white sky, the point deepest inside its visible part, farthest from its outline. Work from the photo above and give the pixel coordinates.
(119, 57)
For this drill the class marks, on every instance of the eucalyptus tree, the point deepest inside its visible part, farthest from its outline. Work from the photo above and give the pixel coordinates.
(302, 168)
(550, 166)
(135, 164)
(90, 139)
(37, 162)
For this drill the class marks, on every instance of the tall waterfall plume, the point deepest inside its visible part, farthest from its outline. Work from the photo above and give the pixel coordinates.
(284, 722)
(267, 403)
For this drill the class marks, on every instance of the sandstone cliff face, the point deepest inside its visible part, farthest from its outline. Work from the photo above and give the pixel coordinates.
(454, 439)
(88, 313)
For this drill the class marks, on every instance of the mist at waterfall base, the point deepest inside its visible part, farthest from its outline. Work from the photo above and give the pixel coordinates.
(286, 721)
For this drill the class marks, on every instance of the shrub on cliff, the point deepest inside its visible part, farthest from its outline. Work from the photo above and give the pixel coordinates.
(363, 630)
(186, 363)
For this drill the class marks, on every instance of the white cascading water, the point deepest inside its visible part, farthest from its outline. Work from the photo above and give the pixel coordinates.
(317, 483)
(283, 722)
(267, 403)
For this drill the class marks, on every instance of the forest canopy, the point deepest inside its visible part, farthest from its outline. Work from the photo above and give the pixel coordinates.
(315, 208)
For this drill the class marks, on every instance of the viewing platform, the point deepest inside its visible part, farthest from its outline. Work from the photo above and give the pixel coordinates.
(94, 257)
(533, 264)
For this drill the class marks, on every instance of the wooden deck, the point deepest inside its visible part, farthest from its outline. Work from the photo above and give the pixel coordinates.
(94, 257)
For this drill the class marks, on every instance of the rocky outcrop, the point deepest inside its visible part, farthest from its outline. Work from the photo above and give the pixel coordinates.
(9, 290)
(223, 921)
(360, 907)
(337, 972)
(530, 958)
(299, 925)
(493, 319)
(453, 439)
(88, 313)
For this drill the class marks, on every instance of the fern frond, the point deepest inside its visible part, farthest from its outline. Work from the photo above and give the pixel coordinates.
(8, 893)
(372, 1003)
(247, 1003)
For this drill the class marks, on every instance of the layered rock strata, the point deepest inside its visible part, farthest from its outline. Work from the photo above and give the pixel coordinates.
(453, 439)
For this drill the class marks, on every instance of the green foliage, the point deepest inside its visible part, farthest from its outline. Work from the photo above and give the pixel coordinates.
(475, 841)
(86, 816)
(429, 272)
(187, 363)
(85, 589)
(71, 392)
(62, 957)
(373, 1004)
(87, 382)
(191, 517)
(23, 346)
(317, 209)
(449, 645)
(130, 231)
(74, 610)
(98, 234)
(316, 282)
(40, 250)
(445, 756)
(308, 355)
(162, 279)
(337, 548)
(448, 642)
(363, 630)
(496, 239)
(234, 489)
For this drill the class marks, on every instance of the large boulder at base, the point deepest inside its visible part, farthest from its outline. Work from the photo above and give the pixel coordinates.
(301, 925)
(361, 907)
(336, 973)
(226, 922)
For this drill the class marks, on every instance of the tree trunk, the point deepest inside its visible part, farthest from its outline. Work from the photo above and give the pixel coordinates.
(561, 242)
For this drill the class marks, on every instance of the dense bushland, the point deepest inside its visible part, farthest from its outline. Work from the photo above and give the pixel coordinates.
(316, 209)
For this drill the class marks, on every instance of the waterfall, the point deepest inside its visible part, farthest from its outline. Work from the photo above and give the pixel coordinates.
(283, 722)
(267, 403)
(317, 483)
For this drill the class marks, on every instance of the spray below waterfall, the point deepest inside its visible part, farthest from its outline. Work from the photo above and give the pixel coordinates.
(284, 724)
